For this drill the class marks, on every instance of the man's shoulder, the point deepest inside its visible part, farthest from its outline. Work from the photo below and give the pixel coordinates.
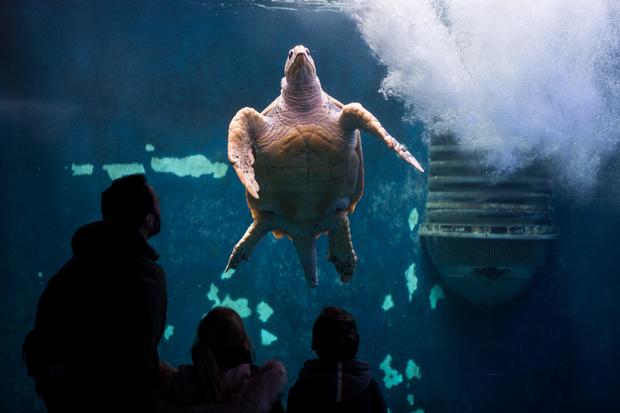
(148, 263)
(148, 268)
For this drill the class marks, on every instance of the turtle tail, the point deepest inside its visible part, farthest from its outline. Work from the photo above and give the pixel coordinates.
(306, 250)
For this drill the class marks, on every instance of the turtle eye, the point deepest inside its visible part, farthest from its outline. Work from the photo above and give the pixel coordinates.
(290, 54)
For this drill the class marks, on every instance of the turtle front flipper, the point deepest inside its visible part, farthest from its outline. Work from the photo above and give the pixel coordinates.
(261, 225)
(306, 250)
(355, 116)
(242, 131)
(341, 252)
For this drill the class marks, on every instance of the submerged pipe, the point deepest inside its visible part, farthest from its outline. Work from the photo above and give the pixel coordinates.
(486, 238)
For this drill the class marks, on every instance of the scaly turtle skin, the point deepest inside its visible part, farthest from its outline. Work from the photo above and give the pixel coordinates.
(301, 163)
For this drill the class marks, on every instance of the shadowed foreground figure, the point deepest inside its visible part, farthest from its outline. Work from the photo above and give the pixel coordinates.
(301, 163)
(100, 318)
(222, 376)
(337, 382)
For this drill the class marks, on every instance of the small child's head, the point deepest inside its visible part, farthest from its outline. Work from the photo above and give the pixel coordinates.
(334, 335)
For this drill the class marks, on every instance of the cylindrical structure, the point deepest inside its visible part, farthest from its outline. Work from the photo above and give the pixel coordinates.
(486, 237)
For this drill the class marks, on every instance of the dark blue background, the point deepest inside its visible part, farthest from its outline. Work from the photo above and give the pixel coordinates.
(93, 82)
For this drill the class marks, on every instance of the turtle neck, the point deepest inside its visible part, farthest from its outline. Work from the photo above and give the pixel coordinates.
(302, 96)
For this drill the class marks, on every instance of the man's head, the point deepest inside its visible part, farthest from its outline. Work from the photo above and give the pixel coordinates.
(334, 335)
(299, 67)
(131, 203)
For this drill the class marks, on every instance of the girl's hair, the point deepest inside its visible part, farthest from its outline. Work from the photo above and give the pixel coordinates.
(221, 343)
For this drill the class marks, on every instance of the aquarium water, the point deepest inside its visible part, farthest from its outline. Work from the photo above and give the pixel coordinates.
(91, 91)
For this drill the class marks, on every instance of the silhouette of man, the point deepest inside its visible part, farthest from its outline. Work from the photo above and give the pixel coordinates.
(100, 318)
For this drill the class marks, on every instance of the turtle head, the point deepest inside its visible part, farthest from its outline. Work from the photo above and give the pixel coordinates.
(299, 67)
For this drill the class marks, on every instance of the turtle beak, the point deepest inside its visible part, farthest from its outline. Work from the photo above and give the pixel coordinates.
(300, 65)
(300, 59)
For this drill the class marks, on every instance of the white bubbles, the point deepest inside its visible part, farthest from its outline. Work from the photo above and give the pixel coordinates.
(523, 80)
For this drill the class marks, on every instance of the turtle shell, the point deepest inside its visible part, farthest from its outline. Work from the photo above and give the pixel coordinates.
(304, 170)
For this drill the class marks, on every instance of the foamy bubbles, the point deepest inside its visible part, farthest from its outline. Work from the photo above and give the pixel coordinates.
(522, 79)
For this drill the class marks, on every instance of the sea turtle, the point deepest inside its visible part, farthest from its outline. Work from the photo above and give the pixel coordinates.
(301, 163)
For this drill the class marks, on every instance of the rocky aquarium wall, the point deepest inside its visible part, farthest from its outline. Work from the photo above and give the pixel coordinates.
(91, 91)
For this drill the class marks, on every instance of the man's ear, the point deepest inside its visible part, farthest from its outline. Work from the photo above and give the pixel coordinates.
(149, 221)
(148, 225)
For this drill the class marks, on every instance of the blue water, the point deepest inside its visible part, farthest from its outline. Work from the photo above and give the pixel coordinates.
(92, 83)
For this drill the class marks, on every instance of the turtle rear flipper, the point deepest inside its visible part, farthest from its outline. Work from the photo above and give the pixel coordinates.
(261, 225)
(341, 252)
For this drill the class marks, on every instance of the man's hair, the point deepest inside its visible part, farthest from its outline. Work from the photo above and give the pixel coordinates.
(127, 202)
(334, 335)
